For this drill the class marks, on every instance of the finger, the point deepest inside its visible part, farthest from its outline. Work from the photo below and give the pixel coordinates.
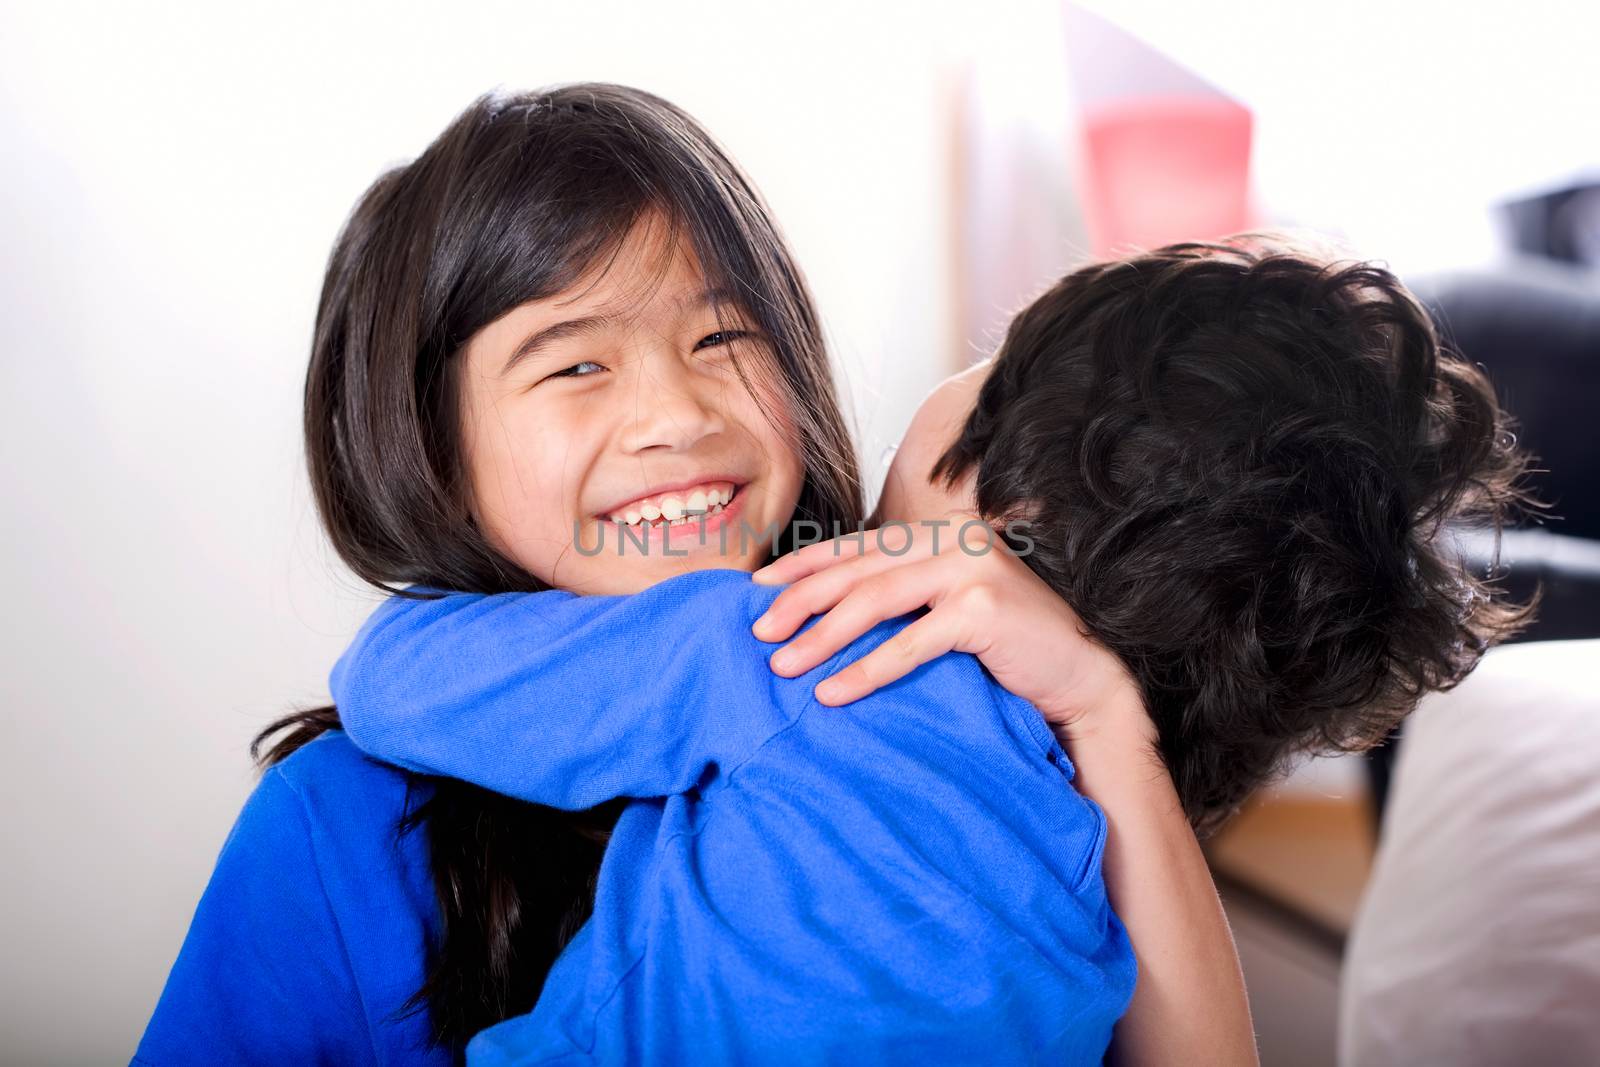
(792, 566)
(811, 595)
(818, 592)
(925, 639)
(885, 595)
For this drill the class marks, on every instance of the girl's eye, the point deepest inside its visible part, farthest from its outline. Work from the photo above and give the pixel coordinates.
(721, 337)
(568, 373)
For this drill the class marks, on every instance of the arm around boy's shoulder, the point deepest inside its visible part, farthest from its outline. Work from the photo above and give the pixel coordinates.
(309, 935)
(567, 700)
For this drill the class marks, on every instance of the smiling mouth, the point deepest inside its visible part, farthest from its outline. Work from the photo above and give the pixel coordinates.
(686, 510)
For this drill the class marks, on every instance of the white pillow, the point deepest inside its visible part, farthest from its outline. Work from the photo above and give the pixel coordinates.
(1478, 938)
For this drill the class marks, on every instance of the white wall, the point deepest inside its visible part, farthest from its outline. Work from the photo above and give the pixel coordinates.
(1397, 127)
(174, 177)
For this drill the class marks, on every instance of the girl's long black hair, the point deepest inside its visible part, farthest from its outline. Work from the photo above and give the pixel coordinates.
(515, 201)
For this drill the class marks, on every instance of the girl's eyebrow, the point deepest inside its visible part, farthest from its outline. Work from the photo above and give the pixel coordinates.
(539, 340)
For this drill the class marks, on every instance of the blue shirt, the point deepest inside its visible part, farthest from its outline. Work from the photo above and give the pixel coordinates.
(310, 937)
(911, 878)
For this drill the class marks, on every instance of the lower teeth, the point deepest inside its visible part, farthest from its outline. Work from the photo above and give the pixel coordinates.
(685, 520)
(695, 516)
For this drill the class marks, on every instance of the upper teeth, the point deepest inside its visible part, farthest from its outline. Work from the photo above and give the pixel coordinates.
(676, 506)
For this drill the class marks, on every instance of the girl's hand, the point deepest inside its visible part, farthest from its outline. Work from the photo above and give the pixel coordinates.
(983, 600)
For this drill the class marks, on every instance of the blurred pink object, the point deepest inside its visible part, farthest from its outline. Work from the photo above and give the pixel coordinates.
(1163, 169)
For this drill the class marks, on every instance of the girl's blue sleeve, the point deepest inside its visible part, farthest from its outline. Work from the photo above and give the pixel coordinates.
(566, 700)
(263, 976)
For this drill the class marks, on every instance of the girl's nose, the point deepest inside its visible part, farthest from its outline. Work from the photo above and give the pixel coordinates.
(672, 407)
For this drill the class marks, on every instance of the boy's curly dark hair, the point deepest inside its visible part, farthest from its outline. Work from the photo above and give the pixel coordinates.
(1236, 460)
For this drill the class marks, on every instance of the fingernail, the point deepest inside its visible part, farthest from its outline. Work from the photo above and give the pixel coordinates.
(782, 659)
(827, 689)
(761, 625)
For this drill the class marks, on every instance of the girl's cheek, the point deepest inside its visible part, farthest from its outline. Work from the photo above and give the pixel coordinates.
(509, 463)
(774, 406)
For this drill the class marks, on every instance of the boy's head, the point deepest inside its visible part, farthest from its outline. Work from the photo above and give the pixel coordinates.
(1235, 460)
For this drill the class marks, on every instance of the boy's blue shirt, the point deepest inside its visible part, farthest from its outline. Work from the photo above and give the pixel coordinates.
(910, 878)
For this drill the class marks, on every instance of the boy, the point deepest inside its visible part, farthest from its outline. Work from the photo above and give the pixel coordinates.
(1232, 461)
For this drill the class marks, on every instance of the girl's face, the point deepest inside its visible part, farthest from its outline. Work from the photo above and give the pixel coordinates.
(593, 418)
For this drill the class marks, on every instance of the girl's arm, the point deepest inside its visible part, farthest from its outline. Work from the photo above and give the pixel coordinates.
(1189, 1004)
(566, 700)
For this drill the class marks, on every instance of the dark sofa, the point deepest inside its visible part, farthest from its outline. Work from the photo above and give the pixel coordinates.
(1534, 326)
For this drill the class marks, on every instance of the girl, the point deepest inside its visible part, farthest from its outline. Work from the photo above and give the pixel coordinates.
(360, 914)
